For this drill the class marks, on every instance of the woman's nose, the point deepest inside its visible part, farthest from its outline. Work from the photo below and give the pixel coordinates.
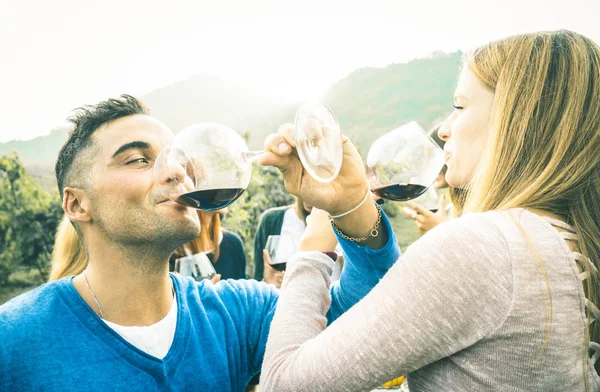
(444, 131)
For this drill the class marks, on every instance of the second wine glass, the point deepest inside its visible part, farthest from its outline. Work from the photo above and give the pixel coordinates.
(403, 163)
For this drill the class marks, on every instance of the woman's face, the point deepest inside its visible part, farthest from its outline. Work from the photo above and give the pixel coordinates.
(466, 129)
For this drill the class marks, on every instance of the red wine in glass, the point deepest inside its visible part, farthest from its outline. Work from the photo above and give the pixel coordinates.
(400, 192)
(210, 199)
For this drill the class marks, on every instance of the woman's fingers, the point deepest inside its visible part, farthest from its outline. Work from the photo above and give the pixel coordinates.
(409, 212)
(417, 207)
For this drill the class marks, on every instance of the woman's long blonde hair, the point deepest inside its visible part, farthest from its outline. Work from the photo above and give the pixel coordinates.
(68, 255)
(544, 136)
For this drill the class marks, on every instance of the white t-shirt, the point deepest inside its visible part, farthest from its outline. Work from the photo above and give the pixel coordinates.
(155, 339)
(293, 225)
(291, 232)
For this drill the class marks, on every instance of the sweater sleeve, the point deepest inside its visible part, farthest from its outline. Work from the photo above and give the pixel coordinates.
(363, 269)
(448, 291)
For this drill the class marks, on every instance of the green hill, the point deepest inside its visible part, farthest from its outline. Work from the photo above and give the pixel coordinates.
(368, 103)
(372, 101)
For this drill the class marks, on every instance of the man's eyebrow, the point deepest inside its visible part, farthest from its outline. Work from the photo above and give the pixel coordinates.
(137, 144)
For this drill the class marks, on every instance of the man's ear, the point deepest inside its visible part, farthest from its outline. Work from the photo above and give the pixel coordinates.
(76, 204)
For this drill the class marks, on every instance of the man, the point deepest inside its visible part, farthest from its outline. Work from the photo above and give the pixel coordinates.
(125, 323)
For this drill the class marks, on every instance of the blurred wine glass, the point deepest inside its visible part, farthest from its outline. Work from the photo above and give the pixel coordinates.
(403, 163)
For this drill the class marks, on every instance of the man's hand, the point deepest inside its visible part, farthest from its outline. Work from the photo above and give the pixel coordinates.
(270, 274)
(425, 219)
(342, 194)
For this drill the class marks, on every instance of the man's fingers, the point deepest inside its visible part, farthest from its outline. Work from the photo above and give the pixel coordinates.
(277, 150)
(288, 132)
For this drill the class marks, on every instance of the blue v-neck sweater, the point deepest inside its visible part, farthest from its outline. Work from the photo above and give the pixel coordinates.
(51, 340)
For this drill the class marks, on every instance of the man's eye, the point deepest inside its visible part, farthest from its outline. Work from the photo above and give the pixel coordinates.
(141, 160)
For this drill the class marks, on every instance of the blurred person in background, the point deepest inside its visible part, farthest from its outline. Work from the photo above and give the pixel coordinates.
(224, 248)
(288, 221)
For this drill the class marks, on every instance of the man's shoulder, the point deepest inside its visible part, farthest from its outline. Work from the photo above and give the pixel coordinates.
(35, 307)
(228, 293)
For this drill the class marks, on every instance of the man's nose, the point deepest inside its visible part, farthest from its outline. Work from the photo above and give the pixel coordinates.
(174, 174)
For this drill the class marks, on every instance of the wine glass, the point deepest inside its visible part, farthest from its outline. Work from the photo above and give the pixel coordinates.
(429, 200)
(197, 265)
(281, 248)
(208, 166)
(403, 163)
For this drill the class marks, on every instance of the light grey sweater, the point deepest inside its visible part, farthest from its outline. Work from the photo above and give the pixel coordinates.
(466, 308)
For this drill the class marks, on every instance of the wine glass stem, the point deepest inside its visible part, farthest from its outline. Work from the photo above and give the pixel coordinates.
(252, 156)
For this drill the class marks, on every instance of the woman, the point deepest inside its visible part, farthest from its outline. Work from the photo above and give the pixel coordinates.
(225, 247)
(503, 298)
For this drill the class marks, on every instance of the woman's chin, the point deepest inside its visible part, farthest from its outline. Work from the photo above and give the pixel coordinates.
(453, 179)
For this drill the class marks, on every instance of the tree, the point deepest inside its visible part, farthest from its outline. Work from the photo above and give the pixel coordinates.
(28, 220)
(266, 190)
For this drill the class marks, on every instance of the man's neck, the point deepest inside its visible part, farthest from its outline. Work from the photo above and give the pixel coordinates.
(131, 286)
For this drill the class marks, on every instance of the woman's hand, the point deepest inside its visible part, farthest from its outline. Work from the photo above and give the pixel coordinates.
(425, 219)
(270, 274)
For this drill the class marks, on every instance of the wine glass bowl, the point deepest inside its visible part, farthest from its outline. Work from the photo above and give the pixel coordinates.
(403, 163)
(216, 162)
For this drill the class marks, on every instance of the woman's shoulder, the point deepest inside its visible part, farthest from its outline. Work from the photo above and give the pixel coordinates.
(493, 229)
(230, 236)
(479, 223)
(275, 211)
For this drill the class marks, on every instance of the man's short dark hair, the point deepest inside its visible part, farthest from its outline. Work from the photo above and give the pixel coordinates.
(88, 119)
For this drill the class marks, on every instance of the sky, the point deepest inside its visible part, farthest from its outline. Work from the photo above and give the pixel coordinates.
(58, 55)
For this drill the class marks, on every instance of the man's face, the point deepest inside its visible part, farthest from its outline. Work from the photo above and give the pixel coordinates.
(127, 205)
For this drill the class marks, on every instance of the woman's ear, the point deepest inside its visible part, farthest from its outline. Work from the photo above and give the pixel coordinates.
(76, 204)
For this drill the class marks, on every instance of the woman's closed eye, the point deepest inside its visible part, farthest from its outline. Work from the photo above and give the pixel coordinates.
(458, 107)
